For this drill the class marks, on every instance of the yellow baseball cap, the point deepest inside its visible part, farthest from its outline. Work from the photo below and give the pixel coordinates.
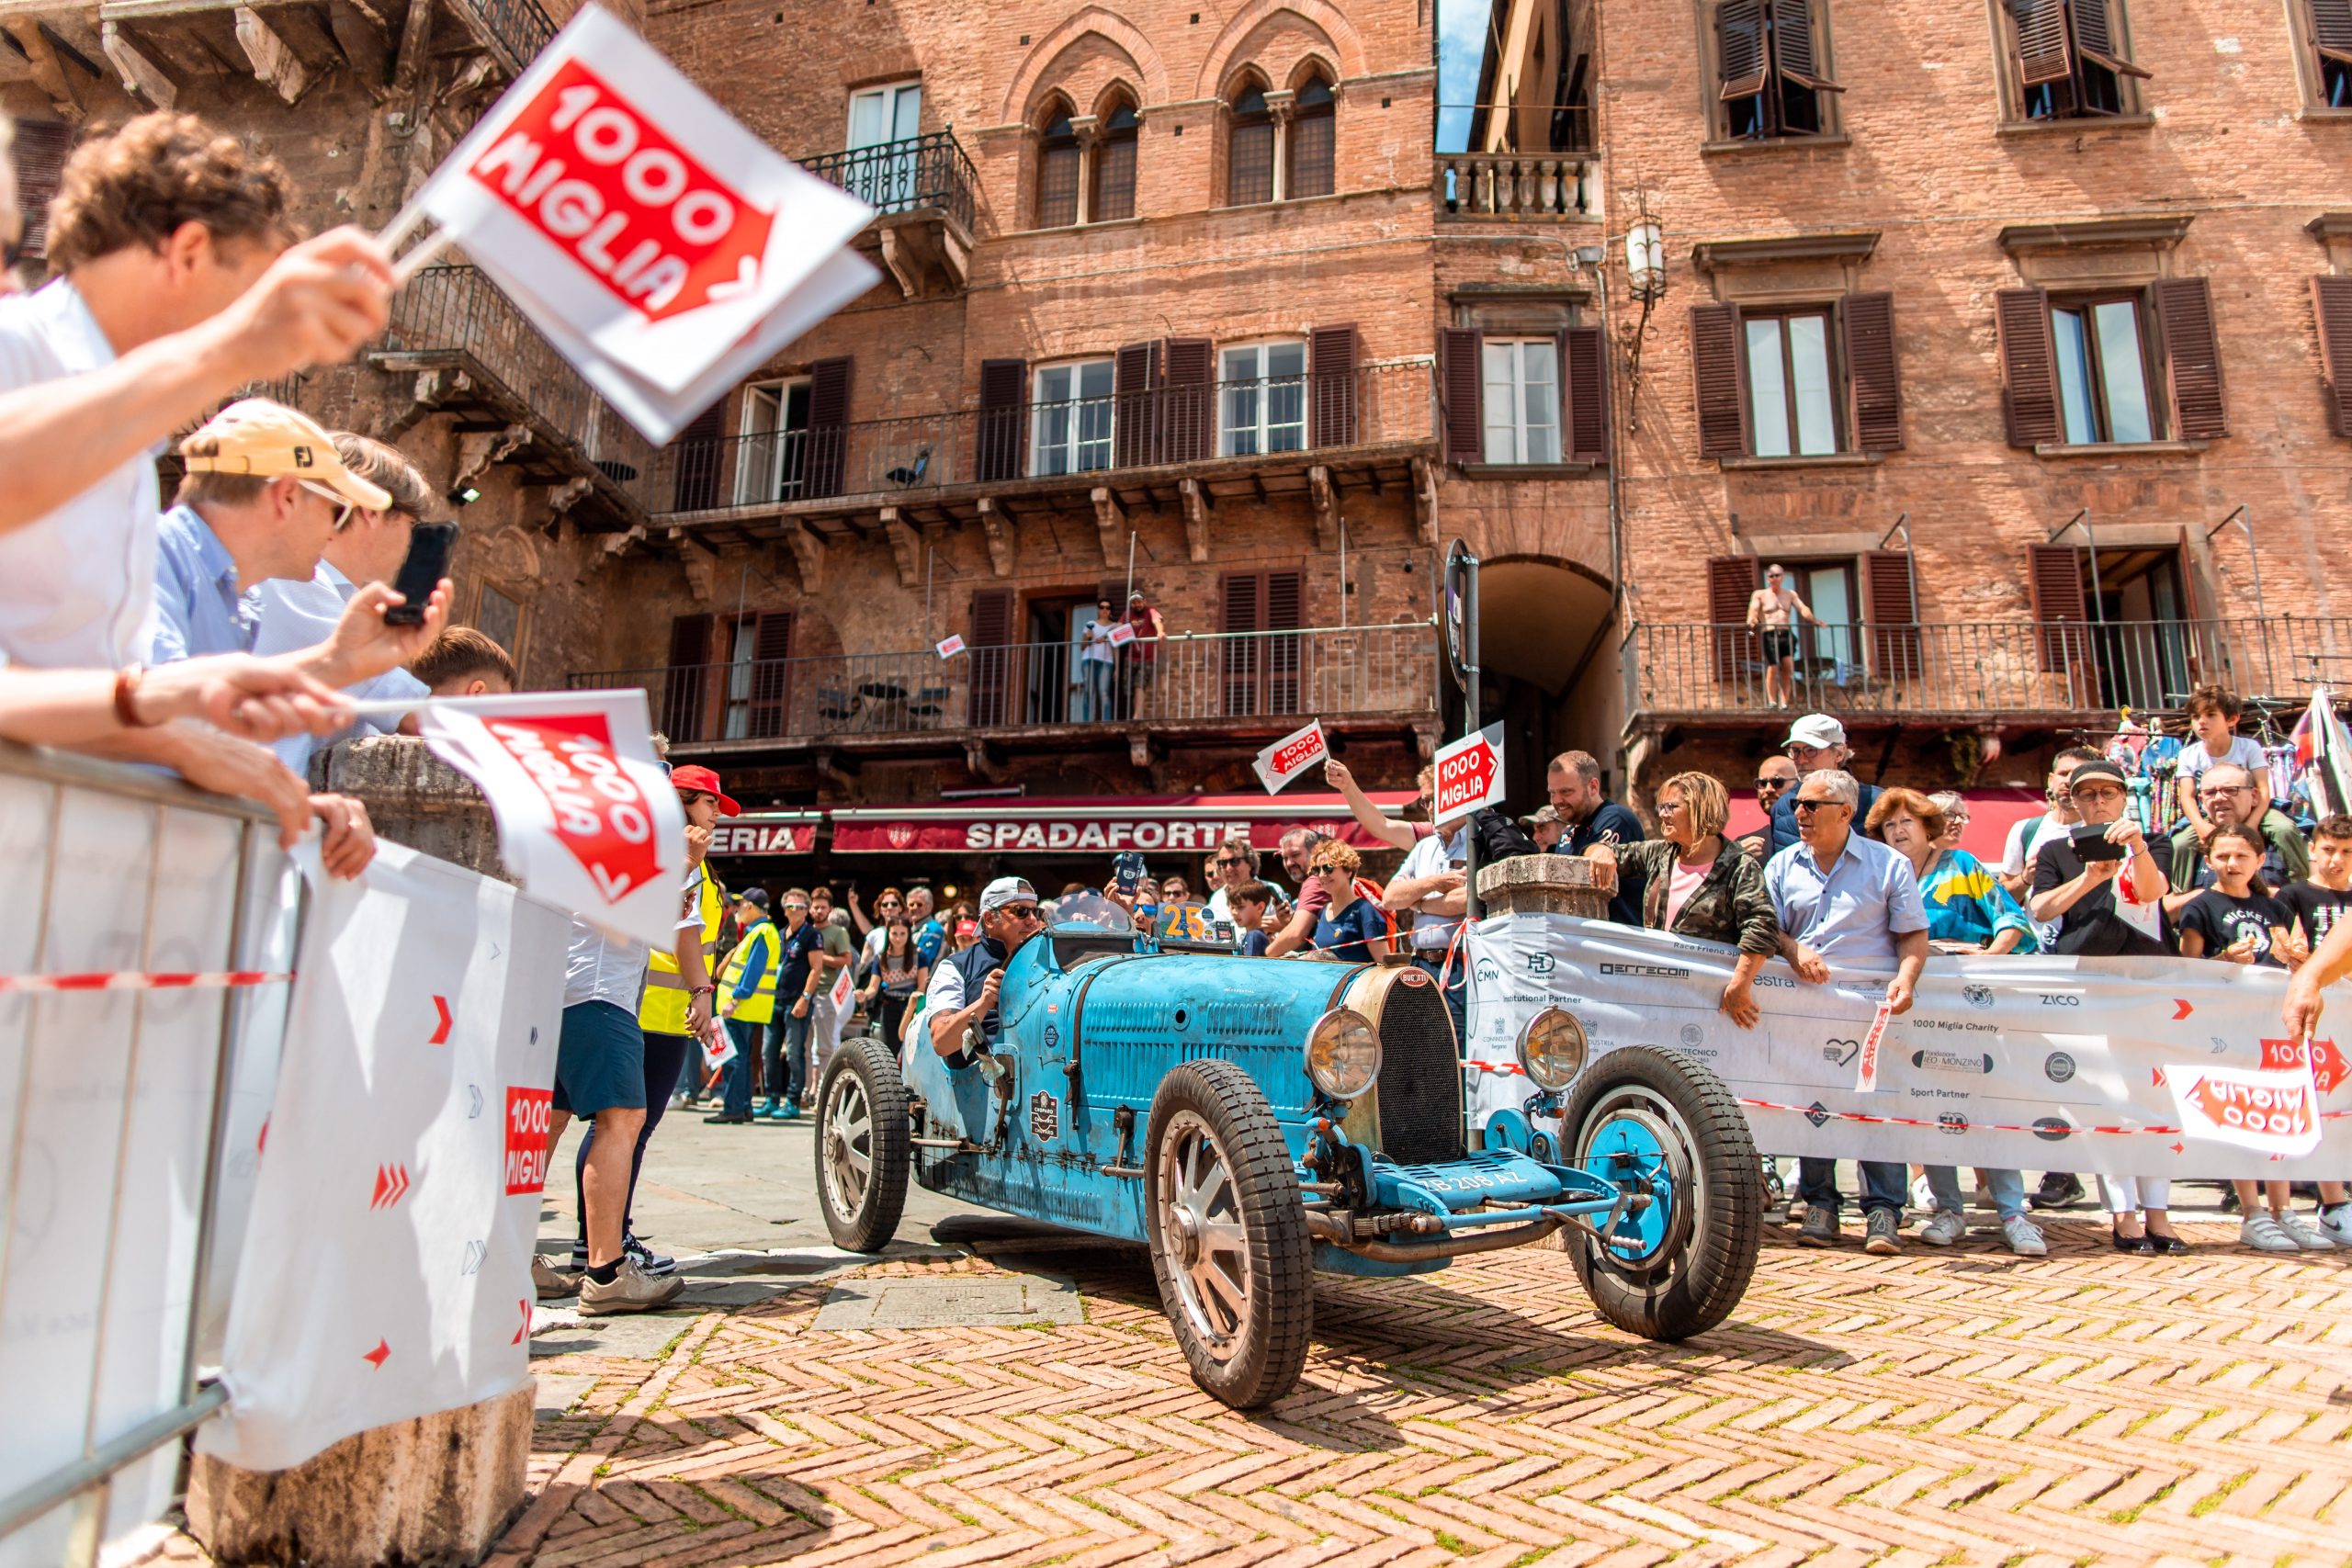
(257, 437)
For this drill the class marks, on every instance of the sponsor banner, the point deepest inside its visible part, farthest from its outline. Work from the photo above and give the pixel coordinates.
(1290, 757)
(385, 1270)
(1469, 774)
(2118, 1066)
(1102, 826)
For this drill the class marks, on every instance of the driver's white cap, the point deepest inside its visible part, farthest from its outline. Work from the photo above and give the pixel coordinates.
(1006, 890)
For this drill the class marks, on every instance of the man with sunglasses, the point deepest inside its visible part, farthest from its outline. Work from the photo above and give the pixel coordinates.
(1815, 742)
(1775, 776)
(960, 1007)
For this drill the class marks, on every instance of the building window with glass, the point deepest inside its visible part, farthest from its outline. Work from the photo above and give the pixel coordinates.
(1113, 193)
(1314, 123)
(1070, 418)
(2102, 372)
(884, 123)
(772, 461)
(1262, 401)
(1058, 158)
(1791, 391)
(2068, 59)
(1520, 388)
(1250, 161)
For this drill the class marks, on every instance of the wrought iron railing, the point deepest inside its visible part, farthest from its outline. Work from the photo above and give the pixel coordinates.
(1315, 672)
(458, 310)
(903, 177)
(1373, 405)
(521, 26)
(1982, 666)
(1552, 186)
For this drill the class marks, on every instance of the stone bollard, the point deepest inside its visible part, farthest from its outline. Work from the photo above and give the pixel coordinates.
(436, 1491)
(1541, 884)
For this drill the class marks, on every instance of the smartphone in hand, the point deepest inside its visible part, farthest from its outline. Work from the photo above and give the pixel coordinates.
(429, 549)
(1128, 872)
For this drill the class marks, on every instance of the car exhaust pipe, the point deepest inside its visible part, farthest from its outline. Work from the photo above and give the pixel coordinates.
(1458, 1245)
(1326, 1227)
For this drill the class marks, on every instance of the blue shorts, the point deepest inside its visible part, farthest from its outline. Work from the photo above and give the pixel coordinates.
(599, 1060)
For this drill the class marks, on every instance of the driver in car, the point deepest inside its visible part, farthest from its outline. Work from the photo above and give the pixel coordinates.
(961, 1003)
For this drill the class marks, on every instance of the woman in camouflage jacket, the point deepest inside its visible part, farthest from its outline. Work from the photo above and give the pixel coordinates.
(1699, 886)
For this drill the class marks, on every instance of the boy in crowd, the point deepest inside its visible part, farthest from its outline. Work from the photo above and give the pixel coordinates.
(2213, 716)
(1250, 902)
(463, 662)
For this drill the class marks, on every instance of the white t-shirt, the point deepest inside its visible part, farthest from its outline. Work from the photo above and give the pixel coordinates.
(2245, 750)
(297, 615)
(2016, 855)
(600, 967)
(1427, 857)
(77, 585)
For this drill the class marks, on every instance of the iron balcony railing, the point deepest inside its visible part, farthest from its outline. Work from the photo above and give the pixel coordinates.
(1324, 673)
(1373, 405)
(519, 26)
(458, 310)
(903, 177)
(1982, 666)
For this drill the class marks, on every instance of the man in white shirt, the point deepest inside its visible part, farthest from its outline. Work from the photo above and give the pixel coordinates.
(1432, 888)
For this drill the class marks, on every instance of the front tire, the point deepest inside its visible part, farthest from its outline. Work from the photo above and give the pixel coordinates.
(862, 1147)
(1228, 1234)
(1653, 1121)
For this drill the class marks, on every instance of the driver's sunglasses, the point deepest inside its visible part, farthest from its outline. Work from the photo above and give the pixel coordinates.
(1814, 804)
(1020, 911)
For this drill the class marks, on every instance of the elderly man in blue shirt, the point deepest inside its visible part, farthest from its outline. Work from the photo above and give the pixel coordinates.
(1848, 900)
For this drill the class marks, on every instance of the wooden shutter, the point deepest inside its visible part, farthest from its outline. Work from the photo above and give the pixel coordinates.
(1003, 429)
(2054, 576)
(1331, 357)
(1261, 674)
(2331, 23)
(771, 675)
(1283, 608)
(2045, 52)
(1135, 383)
(40, 160)
(1893, 613)
(695, 461)
(1242, 595)
(686, 687)
(2095, 38)
(991, 658)
(2029, 366)
(1714, 369)
(827, 426)
(1871, 371)
(2332, 307)
(1731, 581)
(1187, 399)
(1739, 47)
(1459, 351)
(1584, 355)
(2193, 357)
(1793, 55)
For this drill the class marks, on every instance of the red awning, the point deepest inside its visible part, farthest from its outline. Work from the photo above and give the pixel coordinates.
(1990, 814)
(1099, 824)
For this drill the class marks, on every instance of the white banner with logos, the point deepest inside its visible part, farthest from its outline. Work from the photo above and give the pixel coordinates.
(2126, 1066)
(385, 1271)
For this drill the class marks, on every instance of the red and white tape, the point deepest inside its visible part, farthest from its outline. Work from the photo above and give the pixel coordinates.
(1828, 1114)
(124, 981)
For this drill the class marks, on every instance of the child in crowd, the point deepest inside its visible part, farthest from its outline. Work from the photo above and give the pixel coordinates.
(462, 663)
(2213, 716)
(1250, 901)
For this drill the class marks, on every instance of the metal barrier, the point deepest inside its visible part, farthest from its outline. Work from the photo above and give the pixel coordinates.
(143, 962)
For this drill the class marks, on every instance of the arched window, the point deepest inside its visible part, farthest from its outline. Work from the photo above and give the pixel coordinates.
(1250, 169)
(1313, 122)
(1114, 195)
(1057, 173)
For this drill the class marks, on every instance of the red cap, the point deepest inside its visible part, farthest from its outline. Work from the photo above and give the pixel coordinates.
(967, 927)
(694, 776)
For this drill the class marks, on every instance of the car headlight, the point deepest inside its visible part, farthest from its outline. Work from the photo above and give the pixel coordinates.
(1343, 1054)
(1552, 1048)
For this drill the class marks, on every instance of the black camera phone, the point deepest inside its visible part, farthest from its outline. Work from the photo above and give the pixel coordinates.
(2091, 842)
(1129, 873)
(429, 545)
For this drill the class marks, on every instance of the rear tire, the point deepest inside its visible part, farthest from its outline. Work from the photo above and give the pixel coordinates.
(1644, 1114)
(862, 1145)
(1228, 1234)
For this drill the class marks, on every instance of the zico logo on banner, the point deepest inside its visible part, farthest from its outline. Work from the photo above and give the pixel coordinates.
(529, 1114)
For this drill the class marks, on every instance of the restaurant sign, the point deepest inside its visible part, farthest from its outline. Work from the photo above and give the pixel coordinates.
(751, 834)
(1189, 824)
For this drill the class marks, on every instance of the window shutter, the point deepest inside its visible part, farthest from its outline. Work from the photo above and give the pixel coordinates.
(827, 426)
(1003, 433)
(1731, 580)
(1187, 399)
(2331, 36)
(695, 456)
(39, 159)
(2054, 576)
(1242, 595)
(1715, 366)
(1893, 613)
(2332, 307)
(1331, 357)
(1739, 47)
(2045, 54)
(992, 656)
(1459, 391)
(1284, 608)
(1793, 46)
(2192, 359)
(1585, 358)
(2029, 366)
(2095, 38)
(1135, 381)
(1872, 370)
(688, 681)
(770, 676)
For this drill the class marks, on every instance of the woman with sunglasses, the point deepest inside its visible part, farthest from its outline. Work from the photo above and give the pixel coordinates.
(898, 973)
(1352, 928)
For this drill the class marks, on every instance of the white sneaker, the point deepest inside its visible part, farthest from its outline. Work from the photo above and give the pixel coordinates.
(2307, 1236)
(1923, 1197)
(1946, 1226)
(2024, 1237)
(2264, 1234)
(2336, 1223)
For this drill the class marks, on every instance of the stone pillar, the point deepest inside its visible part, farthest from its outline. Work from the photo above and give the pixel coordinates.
(1544, 885)
(439, 1491)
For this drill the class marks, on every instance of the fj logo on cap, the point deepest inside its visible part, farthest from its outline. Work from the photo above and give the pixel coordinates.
(302, 457)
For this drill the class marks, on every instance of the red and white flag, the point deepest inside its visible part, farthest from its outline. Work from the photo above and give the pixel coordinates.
(1122, 634)
(2276, 1112)
(586, 816)
(949, 647)
(653, 238)
(842, 990)
(1291, 756)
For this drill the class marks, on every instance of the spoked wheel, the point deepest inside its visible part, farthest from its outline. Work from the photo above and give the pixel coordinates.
(1228, 1234)
(1664, 1127)
(862, 1148)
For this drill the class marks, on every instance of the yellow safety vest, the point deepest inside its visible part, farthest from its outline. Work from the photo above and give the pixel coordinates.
(663, 1011)
(760, 1005)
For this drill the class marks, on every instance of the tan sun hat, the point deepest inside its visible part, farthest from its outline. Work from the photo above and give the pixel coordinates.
(272, 441)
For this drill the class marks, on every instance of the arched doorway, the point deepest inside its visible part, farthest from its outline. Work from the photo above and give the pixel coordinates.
(1547, 645)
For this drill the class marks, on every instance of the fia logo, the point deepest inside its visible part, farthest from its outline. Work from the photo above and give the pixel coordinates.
(1951, 1122)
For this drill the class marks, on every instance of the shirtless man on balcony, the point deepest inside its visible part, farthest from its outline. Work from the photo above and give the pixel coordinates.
(1773, 612)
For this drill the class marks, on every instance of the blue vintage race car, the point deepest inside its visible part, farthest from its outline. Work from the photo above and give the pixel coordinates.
(1253, 1120)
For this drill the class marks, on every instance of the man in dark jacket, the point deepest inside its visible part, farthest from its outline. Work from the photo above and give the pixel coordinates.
(961, 1003)
(1573, 782)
